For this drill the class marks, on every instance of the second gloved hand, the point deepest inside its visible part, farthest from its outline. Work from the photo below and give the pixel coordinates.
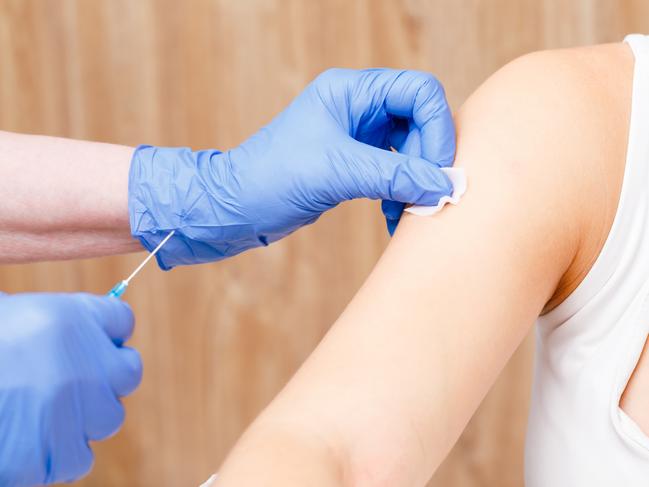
(330, 145)
(62, 371)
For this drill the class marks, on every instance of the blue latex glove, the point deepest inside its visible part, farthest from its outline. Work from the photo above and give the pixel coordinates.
(328, 146)
(62, 369)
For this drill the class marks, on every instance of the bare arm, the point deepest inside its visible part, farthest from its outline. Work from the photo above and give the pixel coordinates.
(388, 391)
(62, 199)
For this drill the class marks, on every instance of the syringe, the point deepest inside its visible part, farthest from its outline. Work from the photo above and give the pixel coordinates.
(121, 286)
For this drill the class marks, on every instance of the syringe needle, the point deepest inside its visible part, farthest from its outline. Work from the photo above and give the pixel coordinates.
(148, 258)
(121, 286)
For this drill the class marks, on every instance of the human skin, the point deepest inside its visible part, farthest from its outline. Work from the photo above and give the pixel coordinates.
(394, 382)
(63, 199)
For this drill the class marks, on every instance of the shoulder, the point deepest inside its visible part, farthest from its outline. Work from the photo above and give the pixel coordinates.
(591, 89)
(580, 73)
(543, 141)
(567, 112)
(568, 97)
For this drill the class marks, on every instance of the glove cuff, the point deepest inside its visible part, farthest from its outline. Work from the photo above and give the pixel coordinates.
(160, 180)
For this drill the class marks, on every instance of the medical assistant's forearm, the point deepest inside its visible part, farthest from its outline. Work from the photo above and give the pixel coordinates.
(62, 198)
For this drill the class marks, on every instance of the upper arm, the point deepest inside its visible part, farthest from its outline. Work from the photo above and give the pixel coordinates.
(402, 370)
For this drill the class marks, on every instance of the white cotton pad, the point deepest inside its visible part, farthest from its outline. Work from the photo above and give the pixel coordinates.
(457, 175)
(209, 481)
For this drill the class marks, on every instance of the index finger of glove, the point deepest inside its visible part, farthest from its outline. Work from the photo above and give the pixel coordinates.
(420, 97)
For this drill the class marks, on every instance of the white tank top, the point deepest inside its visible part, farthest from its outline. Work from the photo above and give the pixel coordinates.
(588, 346)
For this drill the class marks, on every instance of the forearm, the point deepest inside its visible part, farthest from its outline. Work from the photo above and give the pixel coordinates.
(62, 198)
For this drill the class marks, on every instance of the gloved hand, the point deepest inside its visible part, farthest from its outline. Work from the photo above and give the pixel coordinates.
(62, 369)
(330, 145)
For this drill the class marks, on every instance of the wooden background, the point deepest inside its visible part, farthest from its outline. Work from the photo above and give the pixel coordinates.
(218, 341)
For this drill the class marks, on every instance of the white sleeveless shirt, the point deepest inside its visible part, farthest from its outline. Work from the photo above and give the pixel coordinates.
(588, 346)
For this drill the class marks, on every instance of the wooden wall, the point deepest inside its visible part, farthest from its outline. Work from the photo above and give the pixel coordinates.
(218, 341)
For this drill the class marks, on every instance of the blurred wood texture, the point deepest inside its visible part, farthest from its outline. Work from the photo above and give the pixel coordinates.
(219, 341)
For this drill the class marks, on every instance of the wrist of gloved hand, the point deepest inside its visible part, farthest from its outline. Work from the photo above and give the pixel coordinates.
(170, 189)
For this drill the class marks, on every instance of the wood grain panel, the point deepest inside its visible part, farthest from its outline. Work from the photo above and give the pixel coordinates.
(219, 341)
